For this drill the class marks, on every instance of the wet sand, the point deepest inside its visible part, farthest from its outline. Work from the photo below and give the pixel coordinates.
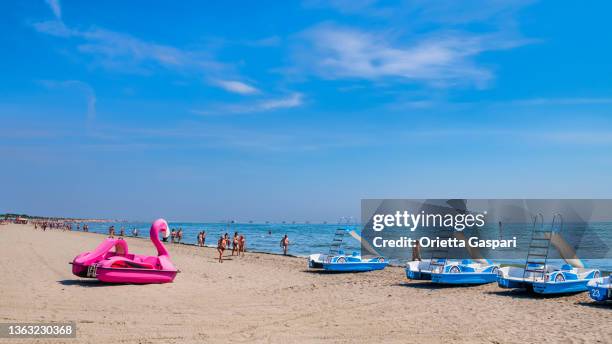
(270, 298)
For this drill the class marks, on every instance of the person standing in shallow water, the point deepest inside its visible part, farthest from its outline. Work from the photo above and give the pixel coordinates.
(241, 244)
(284, 243)
(416, 251)
(179, 235)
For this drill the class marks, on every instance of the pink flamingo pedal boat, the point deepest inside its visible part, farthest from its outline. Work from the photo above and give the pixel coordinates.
(120, 266)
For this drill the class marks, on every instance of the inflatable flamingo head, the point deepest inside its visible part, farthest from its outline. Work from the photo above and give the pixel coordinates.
(160, 225)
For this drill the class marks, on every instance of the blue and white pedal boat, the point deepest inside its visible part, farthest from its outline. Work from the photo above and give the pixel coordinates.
(465, 272)
(548, 280)
(419, 269)
(346, 263)
(336, 260)
(600, 289)
(452, 271)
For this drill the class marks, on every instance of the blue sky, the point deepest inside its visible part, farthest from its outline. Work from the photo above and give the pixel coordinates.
(297, 110)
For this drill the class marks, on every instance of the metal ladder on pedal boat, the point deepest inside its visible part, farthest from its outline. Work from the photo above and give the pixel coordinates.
(334, 248)
(539, 247)
(439, 255)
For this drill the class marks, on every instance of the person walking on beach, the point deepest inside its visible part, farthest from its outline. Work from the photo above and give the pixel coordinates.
(200, 239)
(284, 243)
(235, 244)
(135, 232)
(221, 247)
(122, 231)
(203, 238)
(85, 228)
(111, 231)
(172, 235)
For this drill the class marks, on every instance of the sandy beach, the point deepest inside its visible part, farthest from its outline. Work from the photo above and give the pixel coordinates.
(270, 298)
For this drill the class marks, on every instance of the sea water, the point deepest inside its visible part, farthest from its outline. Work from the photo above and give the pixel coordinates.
(305, 239)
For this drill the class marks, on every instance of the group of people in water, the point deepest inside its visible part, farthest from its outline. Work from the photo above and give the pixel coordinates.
(202, 238)
(111, 232)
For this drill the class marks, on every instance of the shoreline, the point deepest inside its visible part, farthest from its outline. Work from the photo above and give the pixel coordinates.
(169, 244)
(391, 264)
(267, 298)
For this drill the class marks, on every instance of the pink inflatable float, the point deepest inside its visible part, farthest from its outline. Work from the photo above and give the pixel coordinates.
(121, 266)
(83, 264)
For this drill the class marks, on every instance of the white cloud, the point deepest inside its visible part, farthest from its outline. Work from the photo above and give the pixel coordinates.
(526, 136)
(83, 87)
(563, 101)
(439, 59)
(425, 11)
(271, 41)
(596, 137)
(345, 6)
(54, 28)
(125, 53)
(236, 87)
(431, 42)
(55, 7)
(292, 100)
